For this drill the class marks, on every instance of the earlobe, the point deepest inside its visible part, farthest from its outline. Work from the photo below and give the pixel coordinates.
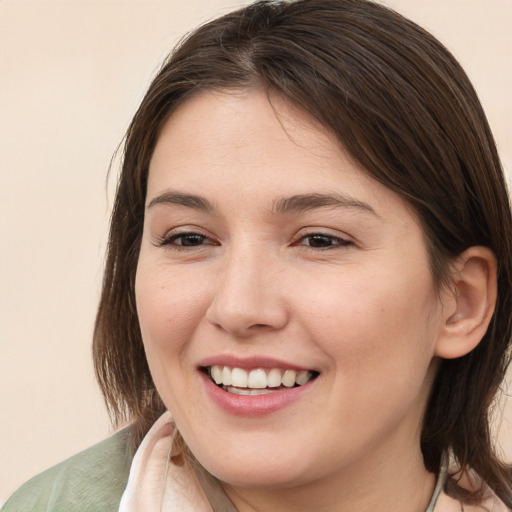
(469, 303)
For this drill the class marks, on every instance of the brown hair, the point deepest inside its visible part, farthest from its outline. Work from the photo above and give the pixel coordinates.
(400, 103)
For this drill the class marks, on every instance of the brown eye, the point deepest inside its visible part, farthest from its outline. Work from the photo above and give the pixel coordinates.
(322, 241)
(187, 239)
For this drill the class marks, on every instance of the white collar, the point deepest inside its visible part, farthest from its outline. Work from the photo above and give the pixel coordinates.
(155, 485)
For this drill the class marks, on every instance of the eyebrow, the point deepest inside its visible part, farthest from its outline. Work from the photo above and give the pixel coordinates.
(188, 200)
(295, 203)
(304, 202)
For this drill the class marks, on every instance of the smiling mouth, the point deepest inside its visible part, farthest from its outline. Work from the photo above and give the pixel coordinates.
(258, 381)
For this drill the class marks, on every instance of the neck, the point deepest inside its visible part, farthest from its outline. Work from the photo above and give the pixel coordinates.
(388, 482)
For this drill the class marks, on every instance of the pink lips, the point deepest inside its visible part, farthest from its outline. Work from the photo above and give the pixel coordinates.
(252, 405)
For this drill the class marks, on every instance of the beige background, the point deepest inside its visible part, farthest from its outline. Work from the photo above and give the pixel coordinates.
(71, 76)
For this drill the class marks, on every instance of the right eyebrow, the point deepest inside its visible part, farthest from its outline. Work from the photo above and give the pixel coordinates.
(304, 202)
(179, 198)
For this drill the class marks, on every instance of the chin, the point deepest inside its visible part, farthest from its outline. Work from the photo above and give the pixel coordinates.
(258, 474)
(257, 480)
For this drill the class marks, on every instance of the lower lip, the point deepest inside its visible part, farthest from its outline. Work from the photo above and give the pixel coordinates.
(254, 405)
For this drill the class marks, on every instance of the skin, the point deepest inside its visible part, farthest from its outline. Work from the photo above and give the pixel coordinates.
(361, 309)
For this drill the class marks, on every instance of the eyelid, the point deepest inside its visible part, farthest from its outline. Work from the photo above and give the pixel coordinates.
(338, 240)
(332, 233)
(167, 238)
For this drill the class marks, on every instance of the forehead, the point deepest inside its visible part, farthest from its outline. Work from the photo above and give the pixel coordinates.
(249, 144)
(230, 122)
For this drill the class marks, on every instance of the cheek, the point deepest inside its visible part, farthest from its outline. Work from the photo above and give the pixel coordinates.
(375, 323)
(379, 335)
(169, 309)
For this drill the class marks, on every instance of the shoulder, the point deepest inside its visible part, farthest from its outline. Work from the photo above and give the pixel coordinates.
(91, 480)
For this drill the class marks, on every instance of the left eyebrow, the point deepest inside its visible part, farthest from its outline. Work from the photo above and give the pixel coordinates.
(304, 202)
(179, 198)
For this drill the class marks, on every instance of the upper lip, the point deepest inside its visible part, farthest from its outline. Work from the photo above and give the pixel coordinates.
(250, 363)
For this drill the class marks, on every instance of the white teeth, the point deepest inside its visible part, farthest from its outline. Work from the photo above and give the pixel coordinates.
(274, 378)
(216, 374)
(239, 377)
(226, 376)
(247, 391)
(288, 378)
(258, 379)
(302, 377)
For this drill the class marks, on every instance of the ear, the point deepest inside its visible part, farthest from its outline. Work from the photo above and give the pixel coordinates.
(468, 305)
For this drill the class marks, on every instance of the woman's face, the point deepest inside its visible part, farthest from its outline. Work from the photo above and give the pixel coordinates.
(272, 262)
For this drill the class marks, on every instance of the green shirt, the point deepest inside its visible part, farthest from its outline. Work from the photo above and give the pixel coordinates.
(93, 480)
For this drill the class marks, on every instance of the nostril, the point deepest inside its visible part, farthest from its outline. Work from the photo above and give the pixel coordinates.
(260, 327)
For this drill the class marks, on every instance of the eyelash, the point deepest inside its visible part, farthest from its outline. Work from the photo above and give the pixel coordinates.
(338, 241)
(333, 242)
(170, 240)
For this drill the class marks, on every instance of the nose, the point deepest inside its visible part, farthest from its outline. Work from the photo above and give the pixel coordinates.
(248, 297)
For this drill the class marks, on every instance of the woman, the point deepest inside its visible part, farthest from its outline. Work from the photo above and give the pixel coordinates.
(306, 303)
